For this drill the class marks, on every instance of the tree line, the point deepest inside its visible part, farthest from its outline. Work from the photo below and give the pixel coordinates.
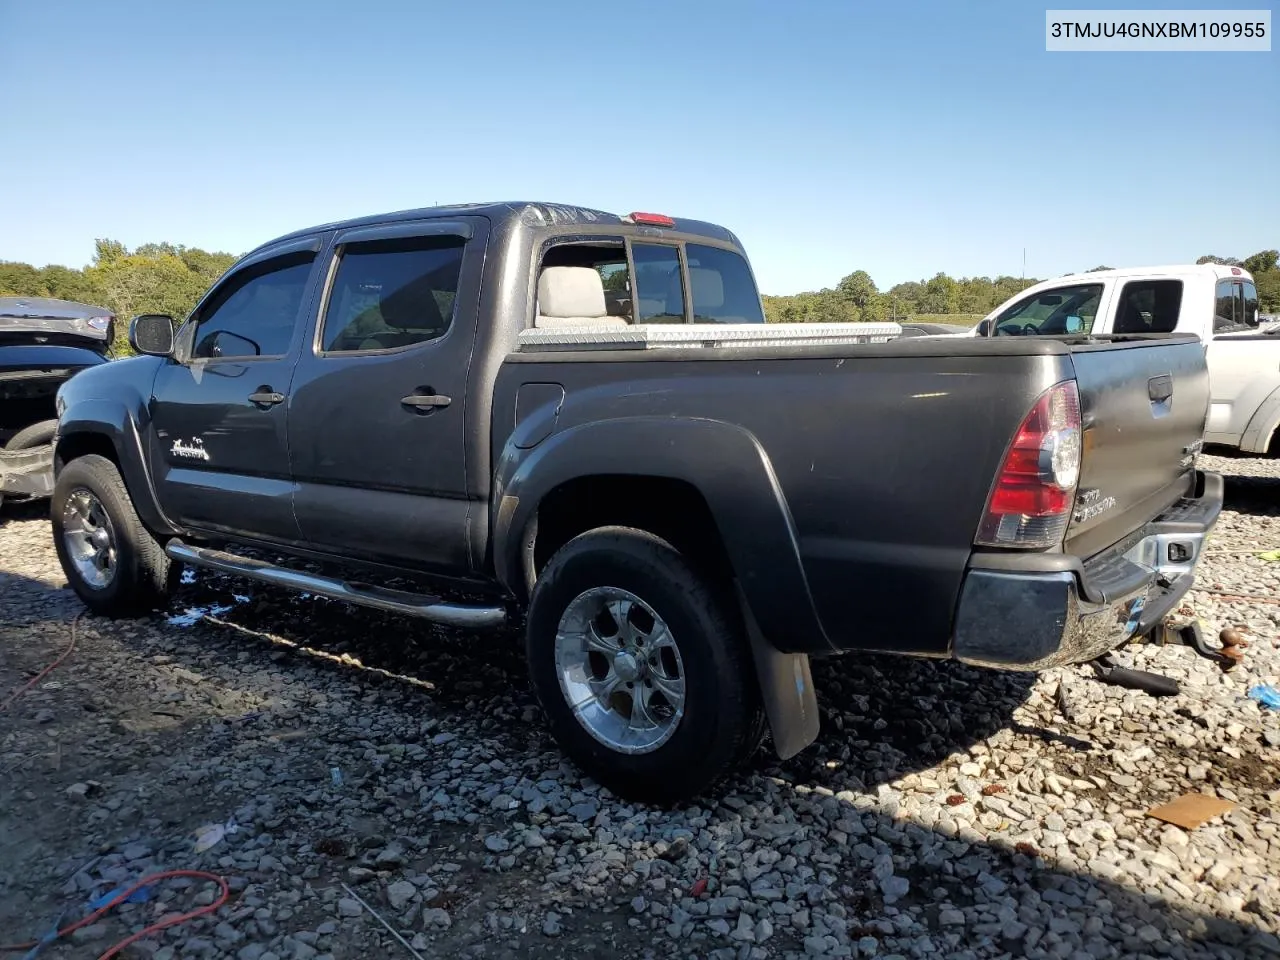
(169, 278)
(153, 278)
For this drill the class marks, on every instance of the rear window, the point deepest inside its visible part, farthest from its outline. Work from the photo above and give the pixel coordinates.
(1056, 312)
(1235, 307)
(1149, 306)
(723, 291)
(659, 287)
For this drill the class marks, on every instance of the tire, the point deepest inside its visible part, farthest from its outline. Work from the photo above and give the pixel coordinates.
(141, 577)
(720, 721)
(36, 435)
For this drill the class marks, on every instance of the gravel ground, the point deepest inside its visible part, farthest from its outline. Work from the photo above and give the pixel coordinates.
(945, 811)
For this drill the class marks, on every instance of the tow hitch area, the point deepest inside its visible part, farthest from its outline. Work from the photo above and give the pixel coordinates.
(1189, 634)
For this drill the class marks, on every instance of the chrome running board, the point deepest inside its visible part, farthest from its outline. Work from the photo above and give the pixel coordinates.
(366, 595)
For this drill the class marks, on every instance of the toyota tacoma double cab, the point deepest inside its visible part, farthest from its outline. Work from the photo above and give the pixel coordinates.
(536, 414)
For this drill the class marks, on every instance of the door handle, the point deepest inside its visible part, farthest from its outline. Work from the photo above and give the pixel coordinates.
(426, 400)
(266, 397)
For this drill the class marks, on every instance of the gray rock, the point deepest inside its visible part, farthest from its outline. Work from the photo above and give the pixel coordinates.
(551, 925)
(400, 893)
(349, 908)
(436, 917)
(496, 844)
(136, 851)
(584, 811)
(894, 889)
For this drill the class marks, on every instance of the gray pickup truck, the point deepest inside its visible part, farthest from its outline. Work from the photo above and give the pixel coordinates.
(482, 414)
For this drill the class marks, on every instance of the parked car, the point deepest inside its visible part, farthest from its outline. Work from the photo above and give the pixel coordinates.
(1218, 304)
(681, 503)
(43, 342)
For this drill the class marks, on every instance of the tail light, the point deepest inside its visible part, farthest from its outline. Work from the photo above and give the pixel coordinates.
(1030, 504)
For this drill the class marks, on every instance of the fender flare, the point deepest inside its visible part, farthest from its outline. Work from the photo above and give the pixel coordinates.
(113, 420)
(723, 461)
(1262, 425)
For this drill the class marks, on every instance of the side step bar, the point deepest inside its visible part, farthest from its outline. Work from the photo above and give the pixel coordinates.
(366, 595)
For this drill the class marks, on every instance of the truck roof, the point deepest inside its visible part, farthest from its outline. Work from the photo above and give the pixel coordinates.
(529, 214)
(1218, 271)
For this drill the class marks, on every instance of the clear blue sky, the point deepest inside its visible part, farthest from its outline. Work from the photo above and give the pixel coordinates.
(901, 138)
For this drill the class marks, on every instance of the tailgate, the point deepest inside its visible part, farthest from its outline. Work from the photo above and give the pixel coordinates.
(1143, 403)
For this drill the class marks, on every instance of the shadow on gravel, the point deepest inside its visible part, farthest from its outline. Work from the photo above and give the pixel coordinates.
(869, 731)
(872, 735)
(953, 873)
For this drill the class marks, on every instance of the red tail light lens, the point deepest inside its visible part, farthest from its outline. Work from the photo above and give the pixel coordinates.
(1031, 502)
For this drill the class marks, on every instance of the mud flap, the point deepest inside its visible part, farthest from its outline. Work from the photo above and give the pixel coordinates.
(786, 689)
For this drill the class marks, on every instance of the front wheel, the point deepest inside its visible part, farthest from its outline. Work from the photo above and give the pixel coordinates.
(641, 667)
(111, 560)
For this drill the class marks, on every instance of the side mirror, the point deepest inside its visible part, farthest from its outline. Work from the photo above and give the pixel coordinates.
(984, 329)
(152, 334)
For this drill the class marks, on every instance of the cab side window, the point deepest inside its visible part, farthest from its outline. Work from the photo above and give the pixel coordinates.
(255, 312)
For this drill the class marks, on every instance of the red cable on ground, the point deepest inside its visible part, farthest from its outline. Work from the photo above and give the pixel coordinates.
(155, 927)
(45, 672)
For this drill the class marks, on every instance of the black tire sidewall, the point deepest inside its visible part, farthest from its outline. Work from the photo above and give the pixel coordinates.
(36, 435)
(101, 478)
(708, 739)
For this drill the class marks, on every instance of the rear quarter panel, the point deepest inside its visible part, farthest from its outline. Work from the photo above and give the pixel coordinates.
(884, 456)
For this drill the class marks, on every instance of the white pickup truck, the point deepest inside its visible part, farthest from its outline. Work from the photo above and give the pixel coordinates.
(1217, 303)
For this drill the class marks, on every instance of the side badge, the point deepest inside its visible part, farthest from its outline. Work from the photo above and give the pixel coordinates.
(190, 451)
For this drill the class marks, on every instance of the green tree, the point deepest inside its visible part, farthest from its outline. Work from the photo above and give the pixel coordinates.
(1268, 284)
(1262, 261)
(857, 288)
(1225, 261)
(1098, 269)
(941, 295)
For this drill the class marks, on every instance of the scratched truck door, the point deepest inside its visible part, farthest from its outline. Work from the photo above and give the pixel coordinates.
(219, 410)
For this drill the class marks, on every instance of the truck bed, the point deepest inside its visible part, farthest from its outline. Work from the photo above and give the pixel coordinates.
(884, 453)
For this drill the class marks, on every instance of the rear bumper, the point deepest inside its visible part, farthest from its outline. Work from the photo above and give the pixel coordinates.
(1031, 620)
(27, 473)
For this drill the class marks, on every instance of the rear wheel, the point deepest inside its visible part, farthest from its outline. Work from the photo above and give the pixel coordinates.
(641, 667)
(110, 559)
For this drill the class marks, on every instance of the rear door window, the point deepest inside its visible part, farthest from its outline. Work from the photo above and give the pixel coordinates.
(1229, 307)
(1055, 312)
(722, 287)
(659, 286)
(1148, 306)
(389, 294)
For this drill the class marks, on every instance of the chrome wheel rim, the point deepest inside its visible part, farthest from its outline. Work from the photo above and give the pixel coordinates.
(89, 537)
(620, 670)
